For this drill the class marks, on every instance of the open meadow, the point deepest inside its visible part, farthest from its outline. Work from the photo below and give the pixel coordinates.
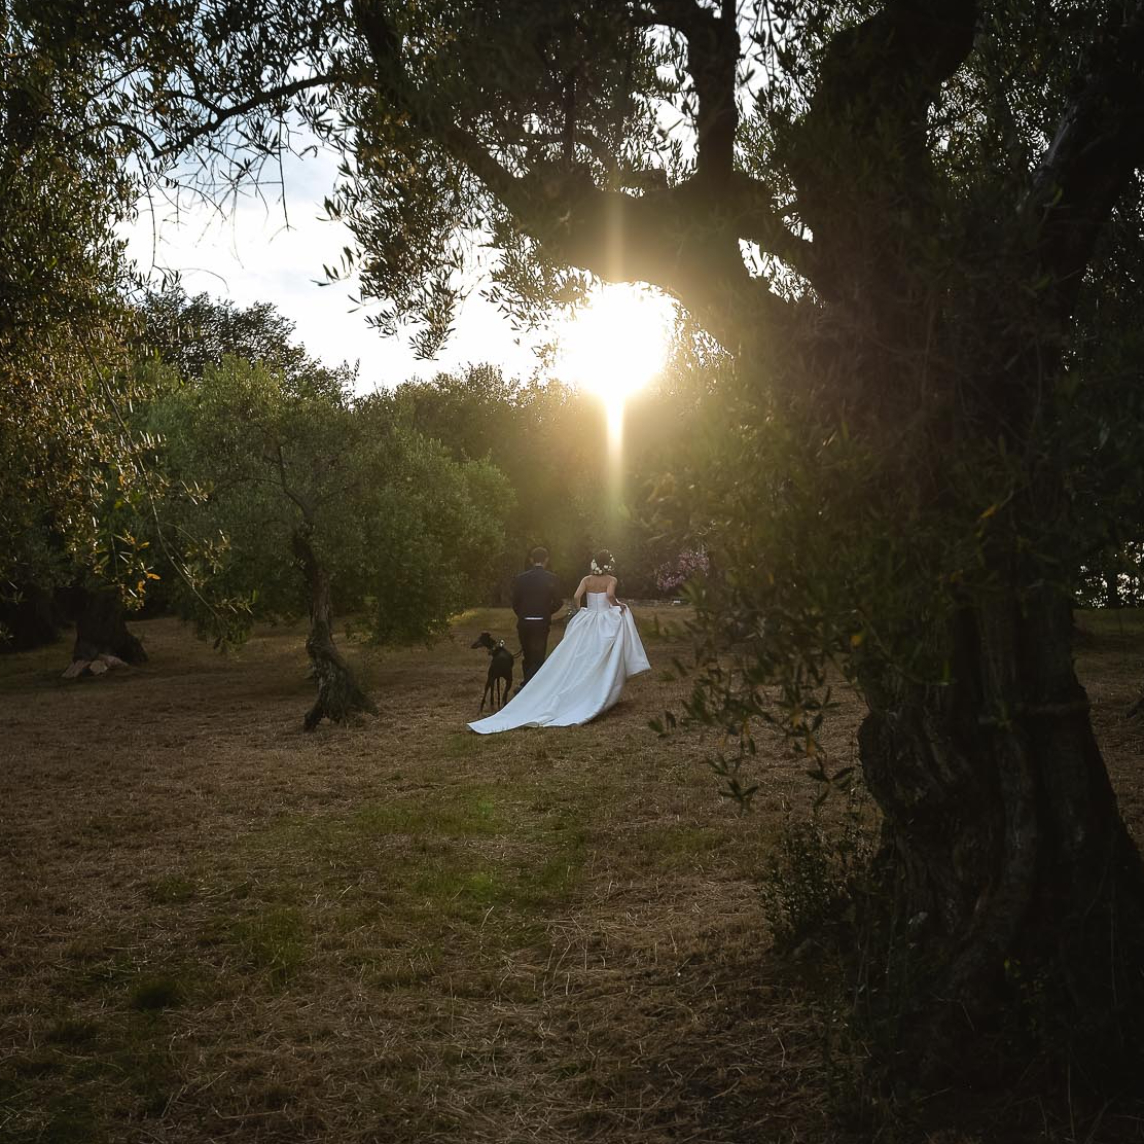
(216, 927)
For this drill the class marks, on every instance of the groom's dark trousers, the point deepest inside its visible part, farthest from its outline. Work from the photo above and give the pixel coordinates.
(535, 597)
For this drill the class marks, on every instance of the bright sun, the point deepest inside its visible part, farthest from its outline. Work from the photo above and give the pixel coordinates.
(615, 345)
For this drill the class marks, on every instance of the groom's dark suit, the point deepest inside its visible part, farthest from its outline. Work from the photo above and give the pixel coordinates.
(535, 596)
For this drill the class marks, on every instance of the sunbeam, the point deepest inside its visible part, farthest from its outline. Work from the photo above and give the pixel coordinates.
(614, 346)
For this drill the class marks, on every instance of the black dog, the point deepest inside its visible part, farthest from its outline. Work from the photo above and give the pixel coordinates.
(498, 685)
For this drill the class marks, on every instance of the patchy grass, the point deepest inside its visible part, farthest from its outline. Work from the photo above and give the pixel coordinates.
(214, 927)
(154, 993)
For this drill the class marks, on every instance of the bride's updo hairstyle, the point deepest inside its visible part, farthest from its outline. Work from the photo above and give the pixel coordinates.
(603, 563)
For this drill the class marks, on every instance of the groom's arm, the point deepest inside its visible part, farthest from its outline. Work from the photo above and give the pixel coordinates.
(557, 597)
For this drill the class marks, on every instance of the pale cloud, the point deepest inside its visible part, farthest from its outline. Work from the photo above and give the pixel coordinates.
(258, 253)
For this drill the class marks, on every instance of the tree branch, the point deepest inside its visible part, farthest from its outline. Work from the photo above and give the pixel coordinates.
(681, 239)
(757, 219)
(1097, 148)
(393, 82)
(278, 459)
(877, 82)
(889, 68)
(222, 115)
(712, 60)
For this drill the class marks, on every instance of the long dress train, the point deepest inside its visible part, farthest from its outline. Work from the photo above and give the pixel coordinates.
(582, 677)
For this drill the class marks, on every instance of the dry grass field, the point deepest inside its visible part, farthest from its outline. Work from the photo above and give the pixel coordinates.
(214, 927)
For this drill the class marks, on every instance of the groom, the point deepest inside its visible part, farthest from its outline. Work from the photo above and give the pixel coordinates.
(535, 596)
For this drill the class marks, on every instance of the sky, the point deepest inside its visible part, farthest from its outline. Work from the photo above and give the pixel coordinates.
(253, 256)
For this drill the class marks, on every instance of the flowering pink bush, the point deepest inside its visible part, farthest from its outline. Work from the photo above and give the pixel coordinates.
(674, 573)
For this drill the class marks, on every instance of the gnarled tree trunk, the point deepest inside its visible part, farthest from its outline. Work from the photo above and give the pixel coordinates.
(338, 692)
(1021, 890)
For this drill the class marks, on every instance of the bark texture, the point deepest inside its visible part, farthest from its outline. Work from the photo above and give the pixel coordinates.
(101, 629)
(339, 695)
(1019, 884)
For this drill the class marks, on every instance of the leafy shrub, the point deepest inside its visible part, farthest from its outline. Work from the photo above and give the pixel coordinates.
(815, 878)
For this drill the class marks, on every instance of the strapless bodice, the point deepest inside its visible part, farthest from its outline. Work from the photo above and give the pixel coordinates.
(596, 601)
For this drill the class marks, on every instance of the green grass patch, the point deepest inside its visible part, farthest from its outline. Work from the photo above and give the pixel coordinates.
(154, 993)
(466, 813)
(681, 845)
(553, 880)
(462, 884)
(398, 873)
(274, 943)
(453, 889)
(464, 744)
(443, 814)
(171, 890)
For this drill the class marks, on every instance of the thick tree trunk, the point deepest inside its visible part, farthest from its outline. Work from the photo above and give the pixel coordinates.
(101, 629)
(338, 692)
(1016, 879)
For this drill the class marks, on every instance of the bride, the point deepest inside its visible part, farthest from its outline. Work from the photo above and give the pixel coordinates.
(585, 673)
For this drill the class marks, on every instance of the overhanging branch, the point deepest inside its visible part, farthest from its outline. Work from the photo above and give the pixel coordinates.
(681, 239)
(222, 115)
(861, 155)
(712, 59)
(757, 219)
(1097, 147)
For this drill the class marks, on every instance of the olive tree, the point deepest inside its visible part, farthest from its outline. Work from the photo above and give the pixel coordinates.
(72, 471)
(920, 216)
(296, 496)
(890, 215)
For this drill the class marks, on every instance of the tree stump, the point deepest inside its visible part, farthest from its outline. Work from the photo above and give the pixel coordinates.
(102, 639)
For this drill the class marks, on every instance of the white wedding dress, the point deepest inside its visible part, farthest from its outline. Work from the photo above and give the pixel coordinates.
(582, 677)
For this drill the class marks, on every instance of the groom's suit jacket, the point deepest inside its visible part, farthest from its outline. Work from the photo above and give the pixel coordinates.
(536, 594)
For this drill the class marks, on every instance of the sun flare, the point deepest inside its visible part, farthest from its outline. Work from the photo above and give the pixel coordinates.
(615, 345)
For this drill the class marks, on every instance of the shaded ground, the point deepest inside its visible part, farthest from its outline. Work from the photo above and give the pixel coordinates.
(215, 927)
